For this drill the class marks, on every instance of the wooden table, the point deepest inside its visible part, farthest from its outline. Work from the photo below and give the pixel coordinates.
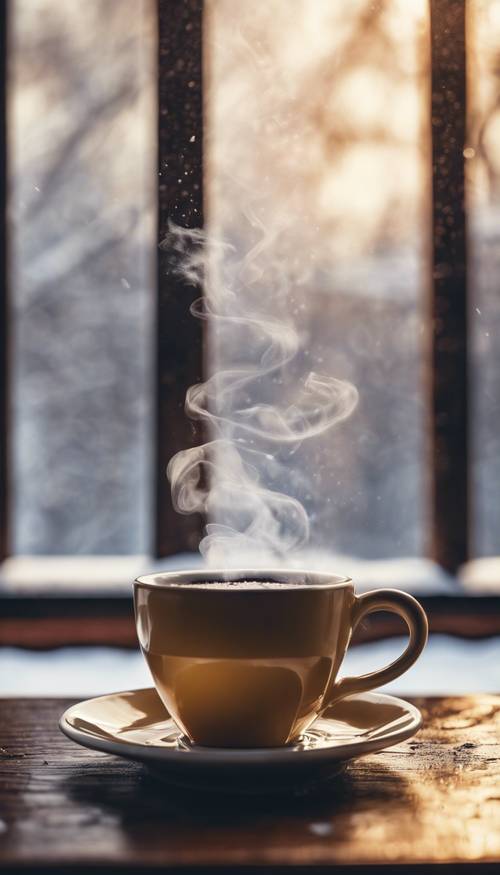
(432, 800)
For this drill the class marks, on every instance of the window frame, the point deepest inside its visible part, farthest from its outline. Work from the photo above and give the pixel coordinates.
(36, 616)
(179, 338)
(449, 364)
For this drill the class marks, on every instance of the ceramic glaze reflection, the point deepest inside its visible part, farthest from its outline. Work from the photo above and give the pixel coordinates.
(135, 725)
(217, 699)
(245, 660)
(243, 663)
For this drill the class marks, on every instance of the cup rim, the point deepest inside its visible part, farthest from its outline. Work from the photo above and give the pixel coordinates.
(296, 578)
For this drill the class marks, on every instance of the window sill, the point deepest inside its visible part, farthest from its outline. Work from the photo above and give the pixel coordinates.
(62, 601)
(74, 576)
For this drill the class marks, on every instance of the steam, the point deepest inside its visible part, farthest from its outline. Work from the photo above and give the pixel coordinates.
(255, 410)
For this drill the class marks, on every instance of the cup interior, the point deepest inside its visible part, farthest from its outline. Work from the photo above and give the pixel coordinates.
(276, 579)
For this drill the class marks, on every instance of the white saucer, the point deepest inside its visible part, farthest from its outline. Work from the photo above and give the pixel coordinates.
(136, 725)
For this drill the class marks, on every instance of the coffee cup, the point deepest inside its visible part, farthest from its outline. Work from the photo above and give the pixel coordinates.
(247, 659)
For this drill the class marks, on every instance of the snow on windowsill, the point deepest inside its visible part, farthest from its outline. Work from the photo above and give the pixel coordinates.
(114, 574)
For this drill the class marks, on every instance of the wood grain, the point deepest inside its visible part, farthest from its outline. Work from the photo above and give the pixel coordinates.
(433, 801)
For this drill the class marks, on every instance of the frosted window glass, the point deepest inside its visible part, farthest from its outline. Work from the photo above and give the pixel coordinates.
(82, 157)
(317, 159)
(483, 163)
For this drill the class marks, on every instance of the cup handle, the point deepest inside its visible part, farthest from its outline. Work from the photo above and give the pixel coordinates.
(413, 614)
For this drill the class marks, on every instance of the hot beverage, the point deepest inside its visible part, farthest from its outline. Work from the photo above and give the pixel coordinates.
(252, 661)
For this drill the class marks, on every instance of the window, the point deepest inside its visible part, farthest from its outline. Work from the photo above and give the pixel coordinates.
(327, 152)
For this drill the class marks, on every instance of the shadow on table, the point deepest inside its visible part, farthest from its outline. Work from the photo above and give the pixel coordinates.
(139, 799)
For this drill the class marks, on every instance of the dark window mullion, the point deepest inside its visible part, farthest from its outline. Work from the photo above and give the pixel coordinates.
(179, 335)
(449, 374)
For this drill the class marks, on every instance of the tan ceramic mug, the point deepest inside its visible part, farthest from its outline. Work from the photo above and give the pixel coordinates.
(250, 659)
